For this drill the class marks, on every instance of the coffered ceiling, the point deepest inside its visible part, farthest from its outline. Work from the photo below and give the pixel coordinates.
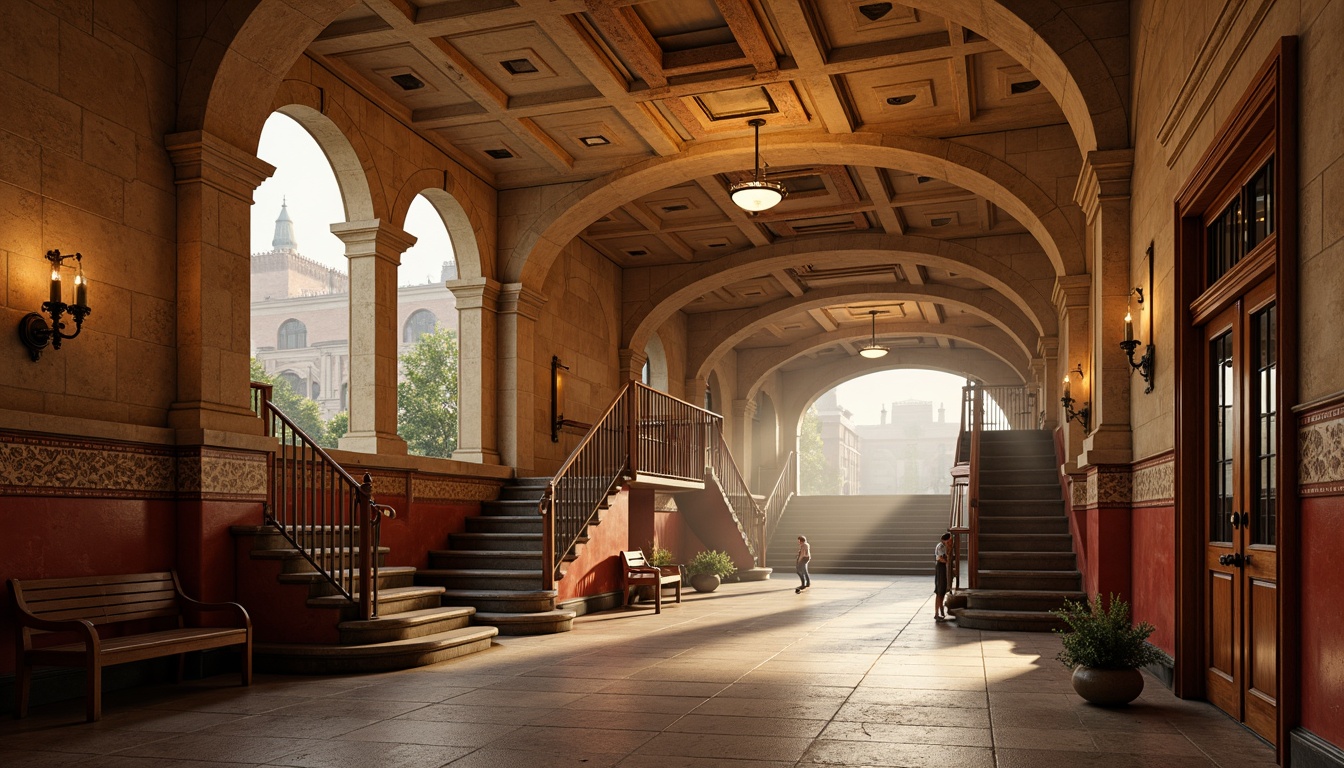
(534, 92)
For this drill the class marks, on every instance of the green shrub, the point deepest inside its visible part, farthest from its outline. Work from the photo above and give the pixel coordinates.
(711, 561)
(1104, 637)
(656, 555)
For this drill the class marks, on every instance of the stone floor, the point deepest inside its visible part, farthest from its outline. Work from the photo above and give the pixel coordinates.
(854, 672)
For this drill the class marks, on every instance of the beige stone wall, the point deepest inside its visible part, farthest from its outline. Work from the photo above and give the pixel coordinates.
(675, 344)
(86, 96)
(581, 324)
(1170, 43)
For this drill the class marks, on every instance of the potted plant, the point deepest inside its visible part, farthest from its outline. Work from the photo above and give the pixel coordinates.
(1105, 650)
(707, 568)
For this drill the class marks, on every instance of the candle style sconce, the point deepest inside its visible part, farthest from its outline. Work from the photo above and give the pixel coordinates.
(558, 420)
(34, 331)
(1082, 415)
(1145, 364)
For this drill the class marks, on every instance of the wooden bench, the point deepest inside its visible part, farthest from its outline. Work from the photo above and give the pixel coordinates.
(78, 606)
(636, 572)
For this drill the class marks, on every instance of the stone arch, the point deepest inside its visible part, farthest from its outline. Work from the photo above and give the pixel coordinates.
(656, 359)
(705, 355)
(764, 439)
(755, 367)
(840, 250)
(342, 145)
(1050, 221)
(713, 394)
(442, 191)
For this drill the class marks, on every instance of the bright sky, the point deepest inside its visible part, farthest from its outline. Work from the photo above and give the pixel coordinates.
(865, 396)
(305, 179)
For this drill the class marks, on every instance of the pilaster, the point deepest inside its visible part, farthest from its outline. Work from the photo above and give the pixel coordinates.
(519, 309)
(477, 369)
(743, 412)
(215, 181)
(1072, 296)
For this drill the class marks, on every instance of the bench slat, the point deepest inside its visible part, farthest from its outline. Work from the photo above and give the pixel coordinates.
(91, 581)
(150, 640)
(98, 604)
(39, 596)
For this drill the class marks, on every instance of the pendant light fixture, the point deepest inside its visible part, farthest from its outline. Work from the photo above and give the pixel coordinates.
(872, 349)
(757, 194)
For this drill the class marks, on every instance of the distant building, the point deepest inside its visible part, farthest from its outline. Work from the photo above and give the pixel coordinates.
(840, 444)
(301, 317)
(911, 453)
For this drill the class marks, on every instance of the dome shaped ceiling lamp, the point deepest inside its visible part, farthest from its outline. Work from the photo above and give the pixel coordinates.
(757, 194)
(872, 349)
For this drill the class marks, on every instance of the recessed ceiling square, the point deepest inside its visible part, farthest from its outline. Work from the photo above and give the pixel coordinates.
(736, 104)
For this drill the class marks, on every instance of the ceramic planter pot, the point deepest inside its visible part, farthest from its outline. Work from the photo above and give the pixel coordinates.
(705, 582)
(1108, 687)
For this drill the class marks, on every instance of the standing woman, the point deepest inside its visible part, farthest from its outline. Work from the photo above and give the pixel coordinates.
(804, 555)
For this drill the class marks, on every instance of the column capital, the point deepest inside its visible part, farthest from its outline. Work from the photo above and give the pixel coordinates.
(744, 409)
(518, 299)
(632, 363)
(373, 237)
(1047, 346)
(1072, 291)
(475, 293)
(203, 158)
(1105, 175)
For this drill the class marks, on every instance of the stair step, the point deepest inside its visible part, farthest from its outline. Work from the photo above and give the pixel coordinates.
(537, 623)
(389, 576)
(1007, 621)
(1019, 508)
(1021, 491)
(405, 625)
(315, 659)
(1019, 599)
(504, 524)
(495, 542)
(1031, 542)
(1049, 524)
(510, 507)
(293, 561)
(515, 560)
(1029, 579)
(390, 601)
(1028, 561)
(470, 579)
(503, 600)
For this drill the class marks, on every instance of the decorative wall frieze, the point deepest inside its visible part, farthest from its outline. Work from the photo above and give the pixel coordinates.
(1154, 481)
(73, 468)
(664, 502)
(434, 488)
(1320, 438)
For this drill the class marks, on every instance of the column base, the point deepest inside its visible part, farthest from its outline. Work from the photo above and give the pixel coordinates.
(373, 442)
(197, 417)
(1107, 446)
(476, 455)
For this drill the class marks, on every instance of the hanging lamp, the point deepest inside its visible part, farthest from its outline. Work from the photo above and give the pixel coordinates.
(872, 349)
(757, 194)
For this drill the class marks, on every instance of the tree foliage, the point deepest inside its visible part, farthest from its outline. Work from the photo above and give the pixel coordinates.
(427, 395)
(303, 411)
(815, 474)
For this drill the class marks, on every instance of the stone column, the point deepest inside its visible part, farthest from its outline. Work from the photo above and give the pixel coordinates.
(695, 391)
(632, 365)
(1048, 375)
(215, 182)
(1071, 297)
(519, 308)
(374, 248)
(744, 411)
(477, 372)
(1103, 193)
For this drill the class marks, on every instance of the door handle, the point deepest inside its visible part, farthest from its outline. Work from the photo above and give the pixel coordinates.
(1235, 560)
(1239, 519)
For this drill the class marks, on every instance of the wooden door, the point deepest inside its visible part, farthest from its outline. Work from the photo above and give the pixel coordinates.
(1241, 510)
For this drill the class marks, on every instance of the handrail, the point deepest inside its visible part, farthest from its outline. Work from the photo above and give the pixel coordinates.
(643, 432)
(575, 493)
(773, 509)
(747, 514)
(321, 510)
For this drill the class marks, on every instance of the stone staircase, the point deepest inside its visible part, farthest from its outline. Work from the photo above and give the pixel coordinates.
(1026, 563)
(302, 625)
(495, 566)
(885, 535)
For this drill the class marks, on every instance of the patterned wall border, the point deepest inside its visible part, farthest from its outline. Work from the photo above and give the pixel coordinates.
(71, 468)
(437, 488)
(1320, 439)
(1154, 482)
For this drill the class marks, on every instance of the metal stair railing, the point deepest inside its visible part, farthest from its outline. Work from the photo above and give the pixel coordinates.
(786, 485)
(746, 512)
(323, 512)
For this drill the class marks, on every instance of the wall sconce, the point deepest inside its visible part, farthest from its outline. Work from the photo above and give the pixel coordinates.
(1082, 415)
(33, 329)
(1145, 364)
(558, 420)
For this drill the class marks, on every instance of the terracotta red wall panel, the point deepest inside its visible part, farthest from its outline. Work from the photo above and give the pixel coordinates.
(1322, 619)
(51, 538)
(596, 570)
(422, 526)
(1153, 572)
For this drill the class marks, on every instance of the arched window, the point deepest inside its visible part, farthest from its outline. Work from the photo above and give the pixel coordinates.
(294, 381)
(293, 335)
(420, 322)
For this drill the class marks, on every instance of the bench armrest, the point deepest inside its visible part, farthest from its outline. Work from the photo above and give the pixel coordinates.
(82, 627)
(196, 607)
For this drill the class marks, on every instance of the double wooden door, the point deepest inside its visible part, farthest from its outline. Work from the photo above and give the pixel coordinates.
(1241, 510)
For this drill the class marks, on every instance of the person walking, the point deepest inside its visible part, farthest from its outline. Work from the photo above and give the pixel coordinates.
(940, 577)
(800, 566)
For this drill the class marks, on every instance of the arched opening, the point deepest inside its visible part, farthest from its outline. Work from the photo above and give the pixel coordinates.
(300, 307)
(655, 364)
(765, 451)
(427, 359)
(713, 393)
(884, 433)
